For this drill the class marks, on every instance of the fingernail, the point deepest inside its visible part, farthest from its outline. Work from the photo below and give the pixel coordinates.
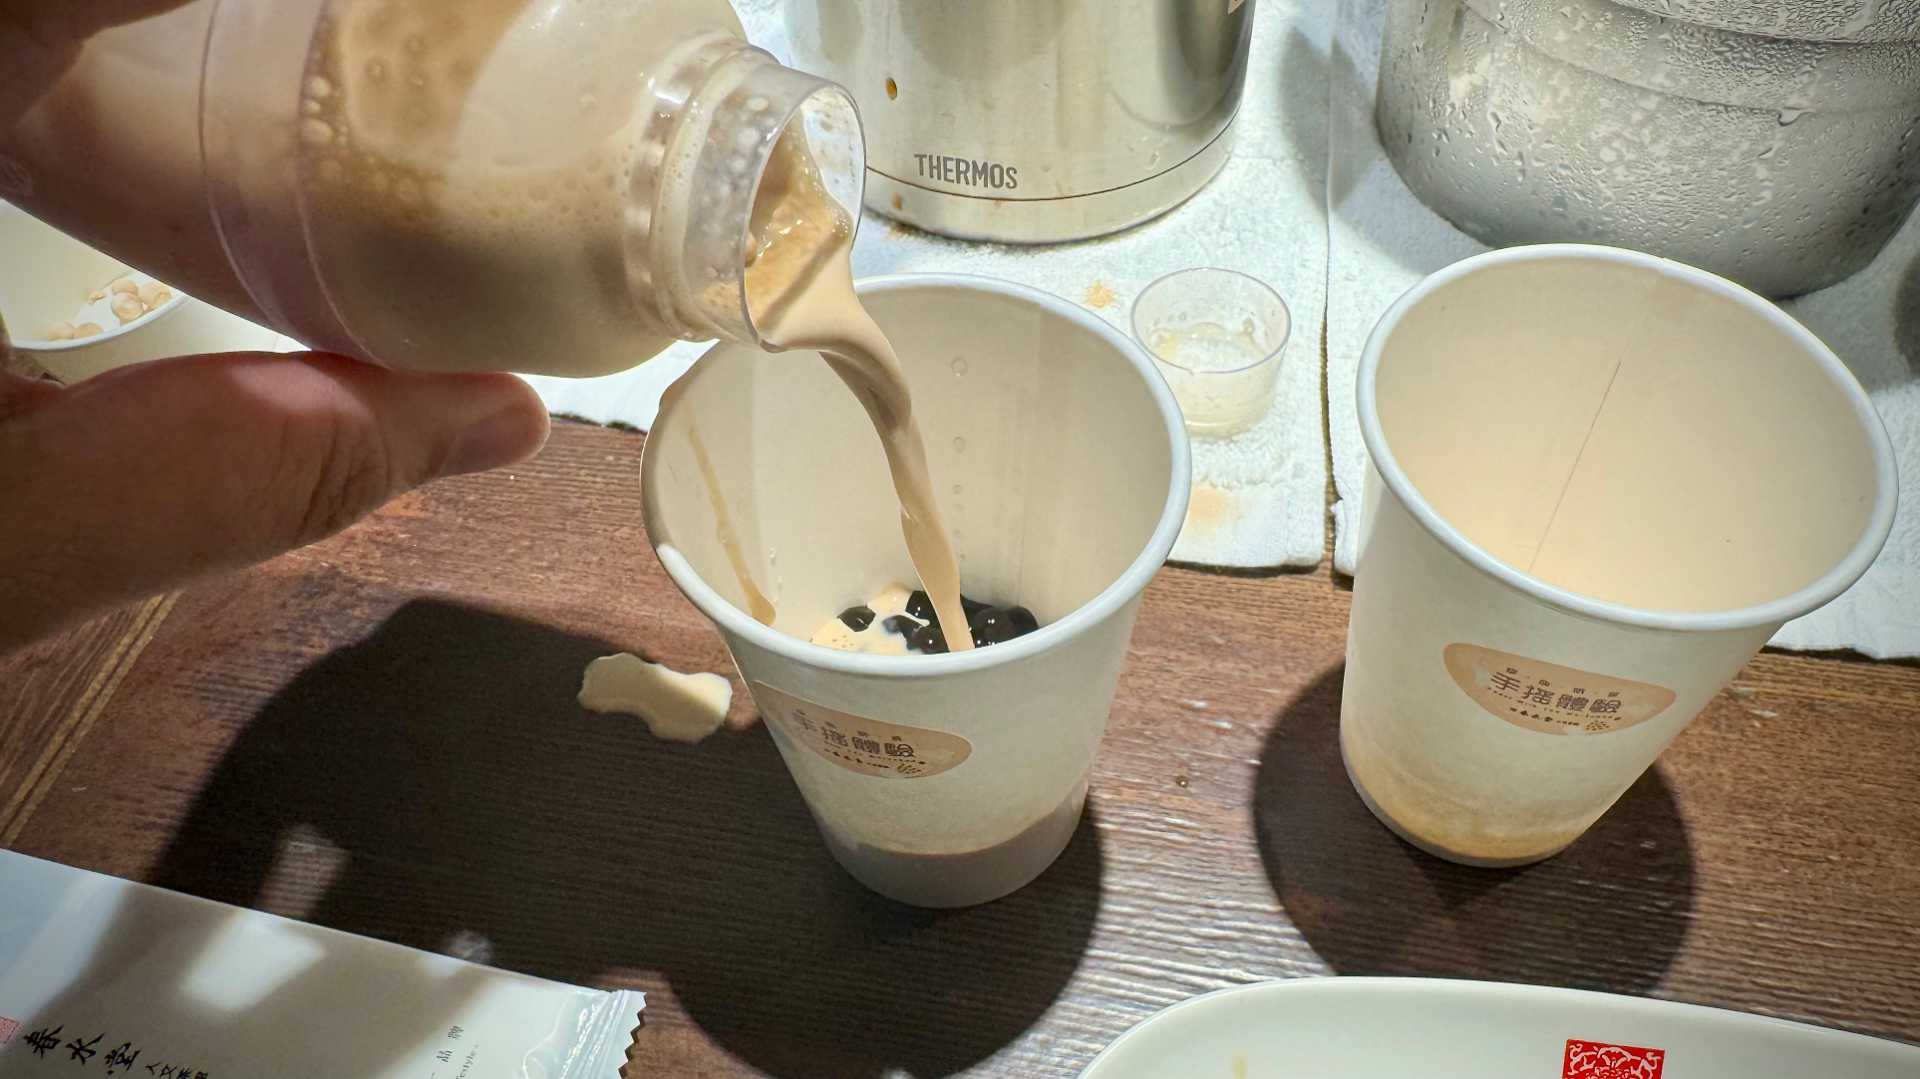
(512, 434)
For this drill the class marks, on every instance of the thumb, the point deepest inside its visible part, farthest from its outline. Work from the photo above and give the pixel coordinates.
(141, 478)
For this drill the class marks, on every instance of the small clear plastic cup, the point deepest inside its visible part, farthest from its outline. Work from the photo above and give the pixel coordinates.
(1217, 336)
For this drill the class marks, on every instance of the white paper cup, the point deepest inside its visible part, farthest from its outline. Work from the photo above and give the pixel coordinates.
(1601, 481)
(1062, 465)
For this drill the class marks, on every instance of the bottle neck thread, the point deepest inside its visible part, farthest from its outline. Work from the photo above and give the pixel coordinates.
(714, 121)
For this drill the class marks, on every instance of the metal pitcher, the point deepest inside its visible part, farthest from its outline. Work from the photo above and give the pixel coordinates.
(1783, 163)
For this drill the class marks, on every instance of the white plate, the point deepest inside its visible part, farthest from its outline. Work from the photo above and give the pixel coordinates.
(1398, 1028)
(46, 277)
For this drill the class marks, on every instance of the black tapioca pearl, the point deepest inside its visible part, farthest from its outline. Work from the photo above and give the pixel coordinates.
(992, 626)
(920, 605)
(857, 618)
(901, 624)
(928, 639)
(1022, 620)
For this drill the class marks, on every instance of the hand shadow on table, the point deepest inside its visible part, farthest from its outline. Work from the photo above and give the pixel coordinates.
(479, 808)
(1610, 912)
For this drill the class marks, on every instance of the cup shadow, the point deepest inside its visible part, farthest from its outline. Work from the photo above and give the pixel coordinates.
(1611, 912)
(478, 810)
(1305, 79)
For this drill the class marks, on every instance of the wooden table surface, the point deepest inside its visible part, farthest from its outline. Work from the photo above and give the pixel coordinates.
(379, 734)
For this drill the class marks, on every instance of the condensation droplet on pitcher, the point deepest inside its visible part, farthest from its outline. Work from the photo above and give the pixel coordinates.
(959, 366)
(959, 444)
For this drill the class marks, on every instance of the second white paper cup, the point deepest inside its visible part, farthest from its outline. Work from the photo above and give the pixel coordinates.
(1601, 481)
(1061, 461)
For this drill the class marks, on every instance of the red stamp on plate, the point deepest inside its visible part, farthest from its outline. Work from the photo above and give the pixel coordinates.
(8, 1028)
(1599, 1060)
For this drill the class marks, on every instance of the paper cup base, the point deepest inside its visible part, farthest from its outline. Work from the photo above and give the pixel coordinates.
(960, 880)
(1434, 849)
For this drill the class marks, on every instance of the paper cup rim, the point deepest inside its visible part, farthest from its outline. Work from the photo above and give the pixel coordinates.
(1772, 612)
(1121, 591)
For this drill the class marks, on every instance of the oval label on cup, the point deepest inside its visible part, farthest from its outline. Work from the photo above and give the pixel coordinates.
(1546, 697)
(870, 747)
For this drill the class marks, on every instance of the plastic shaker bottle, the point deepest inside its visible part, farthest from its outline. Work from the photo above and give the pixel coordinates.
(561, 187)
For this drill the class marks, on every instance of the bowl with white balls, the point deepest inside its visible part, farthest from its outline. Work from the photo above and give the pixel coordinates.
(77, 312)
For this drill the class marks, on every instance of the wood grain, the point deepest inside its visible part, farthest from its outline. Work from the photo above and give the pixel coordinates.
(379, 734)
(52, 691)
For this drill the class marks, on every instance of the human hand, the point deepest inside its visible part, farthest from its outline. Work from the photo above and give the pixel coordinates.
(145, 477)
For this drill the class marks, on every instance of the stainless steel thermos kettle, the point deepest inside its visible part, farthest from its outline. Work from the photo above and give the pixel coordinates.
(1033, 120)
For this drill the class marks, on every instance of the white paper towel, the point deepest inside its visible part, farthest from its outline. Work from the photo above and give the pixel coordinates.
(1872, 320)
(1383, 240)
(1260, 495)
